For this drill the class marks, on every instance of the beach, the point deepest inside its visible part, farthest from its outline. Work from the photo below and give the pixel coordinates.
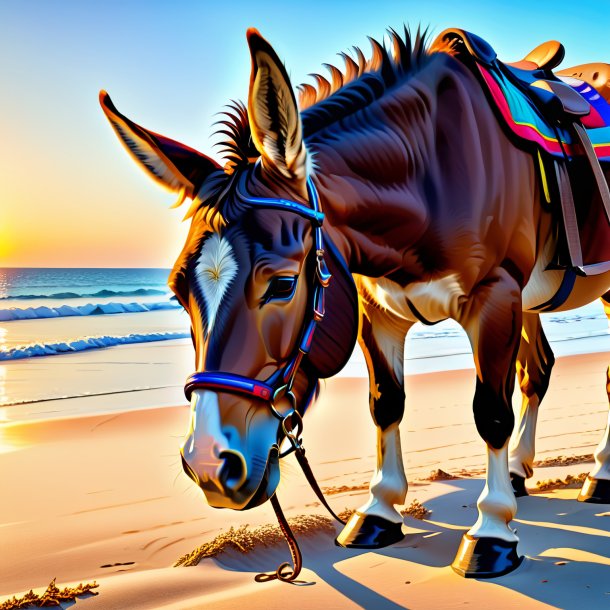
(410, 175)
(92, 416)
(103, 497)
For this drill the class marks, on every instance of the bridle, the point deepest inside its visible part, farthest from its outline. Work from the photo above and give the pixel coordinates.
(279, 385)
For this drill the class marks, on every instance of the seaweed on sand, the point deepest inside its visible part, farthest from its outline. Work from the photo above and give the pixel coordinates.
(53, 596)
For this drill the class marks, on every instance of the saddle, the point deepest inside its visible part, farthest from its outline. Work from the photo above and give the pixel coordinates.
(563, 119)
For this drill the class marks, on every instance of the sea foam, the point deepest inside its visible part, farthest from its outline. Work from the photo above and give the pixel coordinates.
(137, 292)
(80, 344)
(91, 309)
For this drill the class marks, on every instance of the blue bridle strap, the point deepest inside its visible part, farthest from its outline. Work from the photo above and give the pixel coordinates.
(282, 380)
(312, 214)
(223, 382)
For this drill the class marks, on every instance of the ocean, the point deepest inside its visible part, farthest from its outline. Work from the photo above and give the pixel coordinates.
(74, 340)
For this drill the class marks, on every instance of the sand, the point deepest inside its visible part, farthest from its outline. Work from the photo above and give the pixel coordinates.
(103, 497)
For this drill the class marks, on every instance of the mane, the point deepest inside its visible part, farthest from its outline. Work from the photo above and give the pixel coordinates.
(362, 82)
(209, 206)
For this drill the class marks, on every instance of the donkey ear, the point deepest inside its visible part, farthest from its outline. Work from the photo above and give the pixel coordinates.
(274, 118)
(175, 166)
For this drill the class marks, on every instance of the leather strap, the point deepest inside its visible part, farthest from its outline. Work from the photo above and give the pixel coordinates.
(569, 215)
(602, 185)
(284, 572)
(228, 382)
(311, 479)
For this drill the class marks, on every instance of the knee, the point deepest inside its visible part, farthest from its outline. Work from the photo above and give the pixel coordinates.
(493, 415)
(388, 409)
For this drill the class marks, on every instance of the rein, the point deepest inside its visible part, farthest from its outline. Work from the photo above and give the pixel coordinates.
(279, 385)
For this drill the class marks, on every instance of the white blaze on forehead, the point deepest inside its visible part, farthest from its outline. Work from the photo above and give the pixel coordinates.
(216, 269)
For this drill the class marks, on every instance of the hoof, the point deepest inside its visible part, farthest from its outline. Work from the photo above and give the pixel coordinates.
(596, 491)
(518, 484)
(485, 557)
(369, 532)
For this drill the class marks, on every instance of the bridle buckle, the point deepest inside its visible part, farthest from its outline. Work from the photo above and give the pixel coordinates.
(324, 275)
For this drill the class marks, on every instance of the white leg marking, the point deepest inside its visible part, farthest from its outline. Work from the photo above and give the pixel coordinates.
(601, 470)
(522, 446)
(216, 269)
(497, 504)
(389, 483)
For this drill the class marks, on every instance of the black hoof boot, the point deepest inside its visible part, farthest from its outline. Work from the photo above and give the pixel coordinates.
(485, 557)
(596, 491)
(518, 483)
(369, 532)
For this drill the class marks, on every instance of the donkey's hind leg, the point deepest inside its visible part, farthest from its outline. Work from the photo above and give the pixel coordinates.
(534, 365)
(492, 320)
(377, 523)
(596, 488)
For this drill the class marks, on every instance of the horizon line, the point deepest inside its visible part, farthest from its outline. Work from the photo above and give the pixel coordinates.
(36, 267)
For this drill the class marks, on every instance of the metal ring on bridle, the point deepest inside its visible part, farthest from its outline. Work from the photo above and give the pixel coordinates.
(289, 430)
(283, 392)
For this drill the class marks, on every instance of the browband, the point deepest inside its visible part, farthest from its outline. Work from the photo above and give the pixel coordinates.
(314, 215)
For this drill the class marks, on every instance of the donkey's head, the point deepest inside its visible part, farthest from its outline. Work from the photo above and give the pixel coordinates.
(249, 276)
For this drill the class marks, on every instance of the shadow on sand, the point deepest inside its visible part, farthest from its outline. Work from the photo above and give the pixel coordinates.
(565, 542)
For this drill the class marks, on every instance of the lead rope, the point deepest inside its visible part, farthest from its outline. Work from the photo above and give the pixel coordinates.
(285, 572)
(311, 479)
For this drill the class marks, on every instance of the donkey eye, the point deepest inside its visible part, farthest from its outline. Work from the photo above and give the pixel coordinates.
(281, 288)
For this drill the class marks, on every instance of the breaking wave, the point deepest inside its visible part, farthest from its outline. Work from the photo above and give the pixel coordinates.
(139, 292)
(84, 343)
(91, 309)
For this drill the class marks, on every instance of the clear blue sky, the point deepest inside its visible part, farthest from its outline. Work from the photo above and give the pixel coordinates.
(70, 196)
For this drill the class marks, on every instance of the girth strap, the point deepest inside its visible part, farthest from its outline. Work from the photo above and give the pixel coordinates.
(600, 180)
(568, 212)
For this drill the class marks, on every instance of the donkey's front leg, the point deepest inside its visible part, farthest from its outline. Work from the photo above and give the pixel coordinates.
(534, 365)
(492, 319)
(596, 488)
(377, 523)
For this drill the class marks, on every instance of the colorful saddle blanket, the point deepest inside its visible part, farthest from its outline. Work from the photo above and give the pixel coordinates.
(527, 123)
(553, 114)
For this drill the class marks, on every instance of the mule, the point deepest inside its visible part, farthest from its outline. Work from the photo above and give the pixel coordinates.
(426, 211)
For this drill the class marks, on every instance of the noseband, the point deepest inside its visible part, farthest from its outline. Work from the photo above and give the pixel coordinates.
(279, 385)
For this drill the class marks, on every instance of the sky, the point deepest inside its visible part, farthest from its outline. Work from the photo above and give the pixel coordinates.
(69, 194)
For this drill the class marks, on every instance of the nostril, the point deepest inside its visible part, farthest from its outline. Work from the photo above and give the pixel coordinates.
(189, 471)
(233, 471)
